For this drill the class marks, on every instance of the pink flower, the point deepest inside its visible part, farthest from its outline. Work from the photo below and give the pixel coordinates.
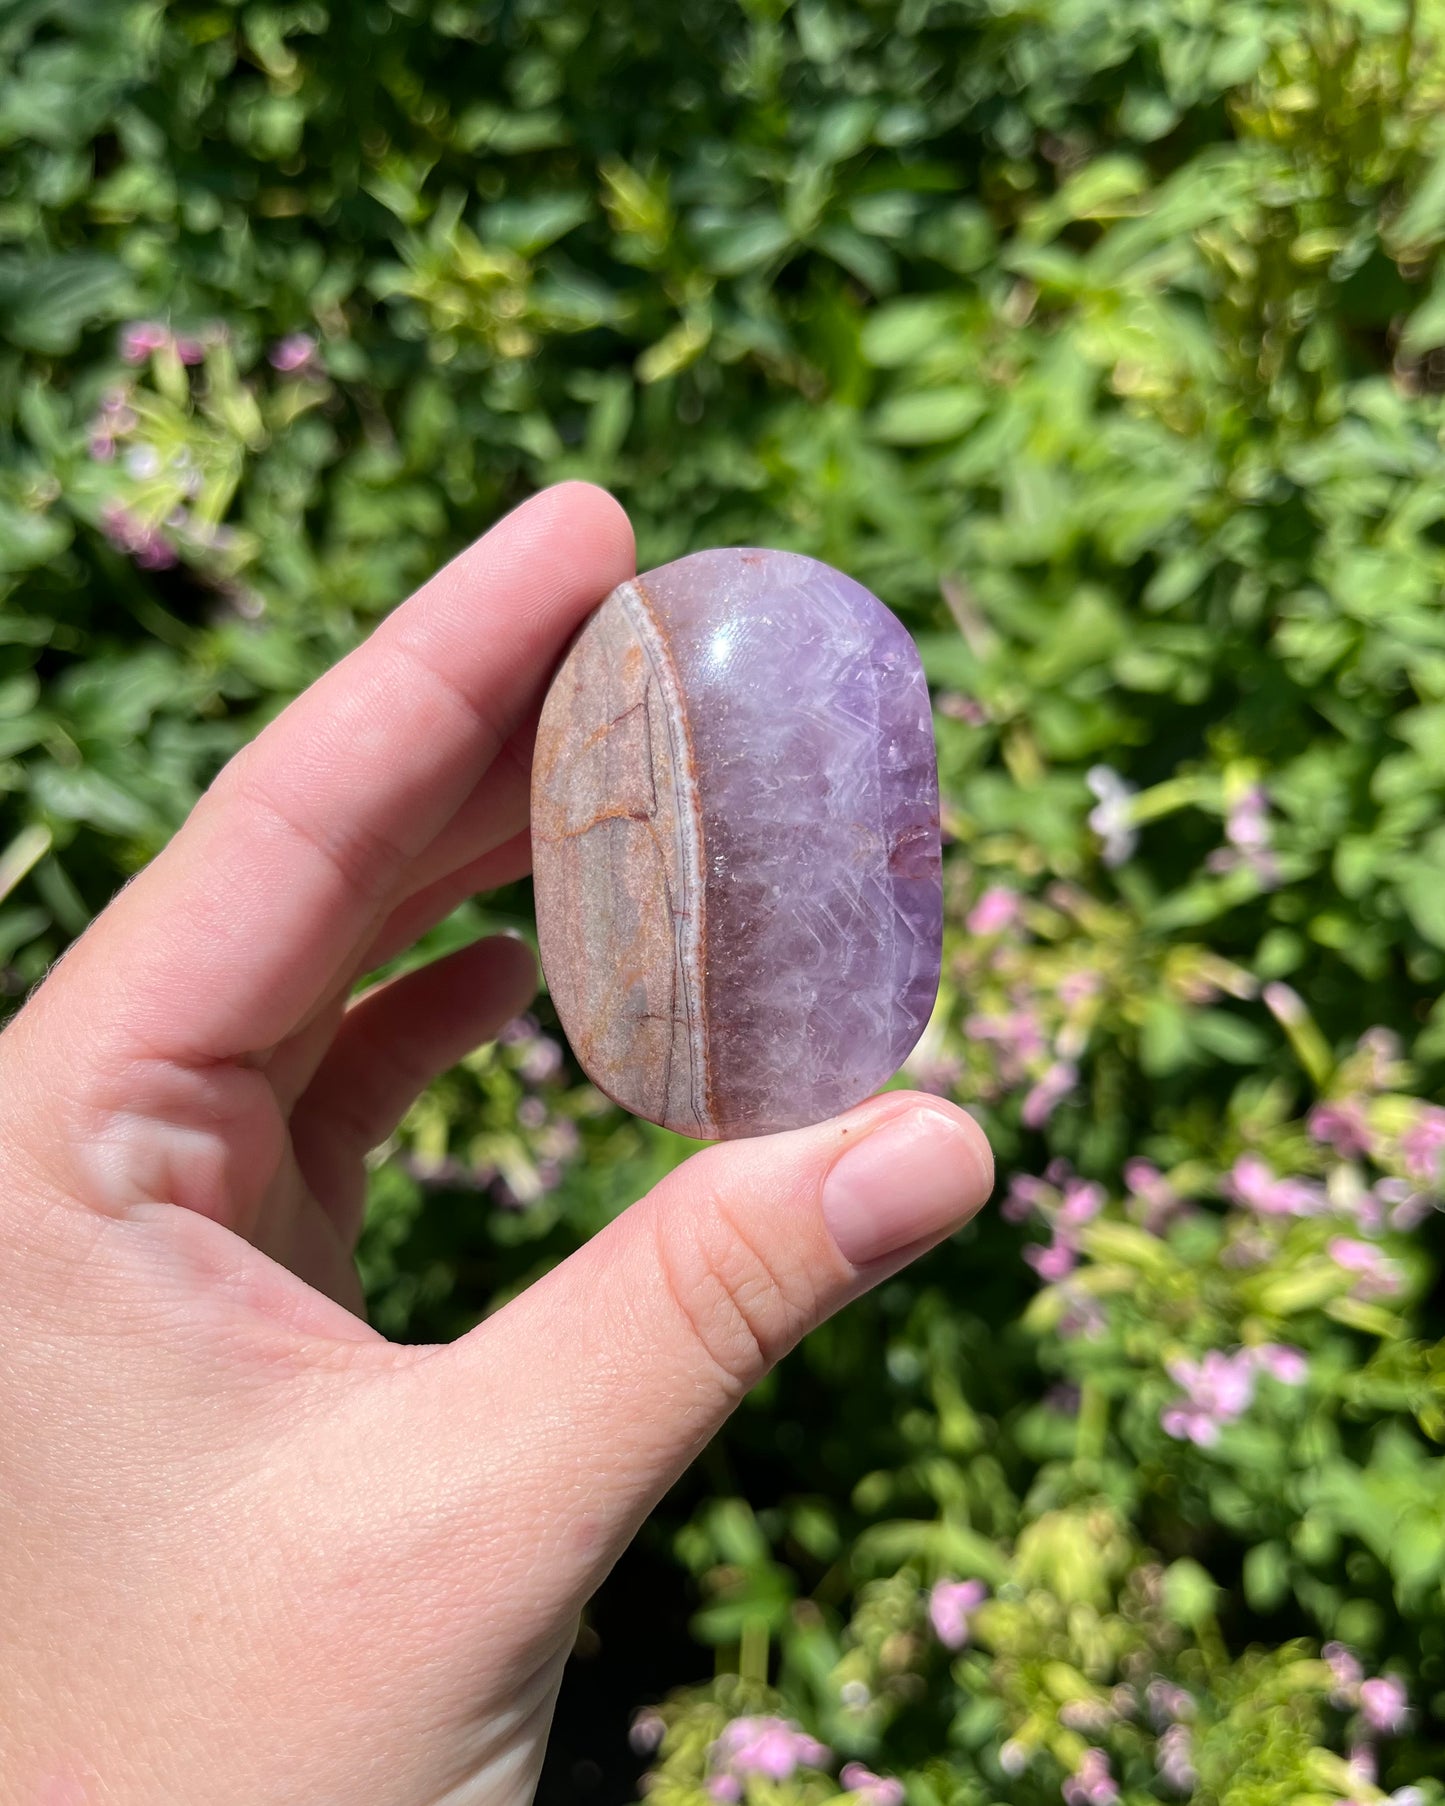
(725, 1789)
(1247, 824)
(1025, 1195)
(139, 338)
(1247, 829)
(1078, 987)
(1344, 1665)
(116, 414)
(1161, 1203)
(1046, 1096)
(1381, 1047)
(115, 419)
(950, 1606)
(1091, 1783)
(771, 1752)
(189, 350)
(157, 554)
(1342, 1126)
(1176, 1759)
(1113, 818)
(932, 1071)
(1252, 1184)
(1013, 1758)
(1055, 1262)
(541, 1061)
(1168, 1703)
(1061, 1198)
(873, 1790)
(561, 1141)
(295, 353)
(1066, 1203)
(1185, 1424)
(1285, 1004)
(1379, 1277)
(1083, 1200)
(1397, 1202)
(647, 1732)
(1362, 1765)
(1018, 1036)
(1367, 1205)
(1217, 1382)
(773, 1747)
(1142, 1176)
(1281, 1362)
(1089, 1715)
(1217, 1389)
(962, 708)
(150, 549)
(1384, 1705)
(1423, 1143)
(997, 909)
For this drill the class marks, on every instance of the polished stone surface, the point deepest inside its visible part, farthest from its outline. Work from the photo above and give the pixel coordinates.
(735, 841)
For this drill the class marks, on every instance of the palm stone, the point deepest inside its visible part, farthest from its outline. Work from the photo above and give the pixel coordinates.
(735, 843)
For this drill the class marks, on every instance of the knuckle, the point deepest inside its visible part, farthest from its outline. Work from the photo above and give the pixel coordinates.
(480, 721)
(742, 1308)
(368, 1094)
(365, 860)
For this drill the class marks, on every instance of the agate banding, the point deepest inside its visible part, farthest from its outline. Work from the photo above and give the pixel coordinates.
(735, 844)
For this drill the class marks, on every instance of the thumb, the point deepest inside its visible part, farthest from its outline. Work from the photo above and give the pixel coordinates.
(559, 1422)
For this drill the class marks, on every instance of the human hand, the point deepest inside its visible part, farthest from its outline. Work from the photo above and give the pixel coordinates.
(250, 1552)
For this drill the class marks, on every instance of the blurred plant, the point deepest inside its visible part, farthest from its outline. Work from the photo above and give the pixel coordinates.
(1107, 343)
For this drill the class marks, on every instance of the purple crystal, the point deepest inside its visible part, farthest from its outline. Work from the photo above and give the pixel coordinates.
(770, 893)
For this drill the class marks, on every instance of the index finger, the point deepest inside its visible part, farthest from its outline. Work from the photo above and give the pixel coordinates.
(233, 933)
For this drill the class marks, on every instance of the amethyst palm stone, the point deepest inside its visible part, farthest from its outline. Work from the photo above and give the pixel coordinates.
(735, 843)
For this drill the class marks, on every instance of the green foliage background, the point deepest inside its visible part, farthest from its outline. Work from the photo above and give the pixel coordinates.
(1105, 340)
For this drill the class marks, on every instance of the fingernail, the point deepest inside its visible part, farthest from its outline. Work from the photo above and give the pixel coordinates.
(916, 1176)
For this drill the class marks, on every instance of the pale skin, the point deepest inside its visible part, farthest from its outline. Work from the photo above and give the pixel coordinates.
(251, 1553)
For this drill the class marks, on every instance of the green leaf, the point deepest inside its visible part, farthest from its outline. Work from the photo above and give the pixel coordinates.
(1165, 1043)
(902, 332)
(947, 660)
(1104, 188)
(1417, 1549)
(1420, 223)
(1424, 728)
(929, 418)
(729, 249)
(1230, 1036)
(45, 305)
(89, 796)
(1266, 1576)
(1189, 1594)
(30, 538)
(530, 226)
(1421, 885)
(872, 263)
(1424, 330)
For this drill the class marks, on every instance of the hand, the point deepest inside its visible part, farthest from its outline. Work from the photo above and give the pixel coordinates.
(250, 1552)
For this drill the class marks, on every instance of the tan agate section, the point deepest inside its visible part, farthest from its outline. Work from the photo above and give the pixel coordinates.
(617, 857)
